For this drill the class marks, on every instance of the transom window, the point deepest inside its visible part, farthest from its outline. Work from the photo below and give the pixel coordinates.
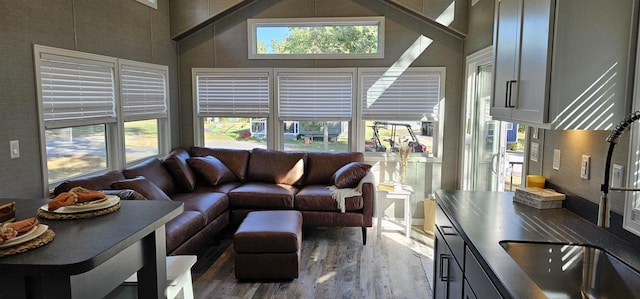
(316, 38)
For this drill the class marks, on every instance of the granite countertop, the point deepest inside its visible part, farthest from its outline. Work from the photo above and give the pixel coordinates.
(486, 218)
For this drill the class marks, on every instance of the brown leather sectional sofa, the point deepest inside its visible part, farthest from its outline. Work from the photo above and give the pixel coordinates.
(219, 187)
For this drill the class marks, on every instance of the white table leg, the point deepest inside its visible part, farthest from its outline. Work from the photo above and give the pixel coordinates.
(407, 216)
(379, 211)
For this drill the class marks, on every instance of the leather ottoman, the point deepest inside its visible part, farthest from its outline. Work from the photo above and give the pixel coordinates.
(267, 245)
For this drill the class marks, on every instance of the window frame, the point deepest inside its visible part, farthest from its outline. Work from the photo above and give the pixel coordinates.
(114, 131)
(253, 24)
(279, 129)
(438, 144)
(198, 121)
(163, 122)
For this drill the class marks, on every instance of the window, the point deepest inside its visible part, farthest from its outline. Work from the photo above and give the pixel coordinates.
(74, 151)
(232, 107)
(312, 108)
(315, 108)
(144, 108)
(402, 107)
(316, 38)
(80, 103)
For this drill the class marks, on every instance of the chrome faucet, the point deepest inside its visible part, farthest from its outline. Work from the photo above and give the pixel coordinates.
(604, 210)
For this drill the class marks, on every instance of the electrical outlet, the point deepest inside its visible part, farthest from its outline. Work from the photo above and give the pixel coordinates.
(556, 159)
(14, 148)
(584, 167)
(617, 176)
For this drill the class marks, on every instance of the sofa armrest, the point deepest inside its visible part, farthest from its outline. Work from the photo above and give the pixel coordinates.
(96, 182)
(368, 193)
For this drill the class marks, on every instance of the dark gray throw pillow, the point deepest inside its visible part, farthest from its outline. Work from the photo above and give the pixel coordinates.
(349, 175)
(211, 169)
(143, 186)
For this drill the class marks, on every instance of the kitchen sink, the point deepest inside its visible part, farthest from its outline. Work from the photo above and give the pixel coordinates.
(574, 271)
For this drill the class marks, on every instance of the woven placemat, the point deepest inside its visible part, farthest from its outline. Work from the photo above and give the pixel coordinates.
(43, 239)
(80, 215)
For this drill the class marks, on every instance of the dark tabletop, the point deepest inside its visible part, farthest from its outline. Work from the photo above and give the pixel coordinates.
(486, 218)
(80, 245)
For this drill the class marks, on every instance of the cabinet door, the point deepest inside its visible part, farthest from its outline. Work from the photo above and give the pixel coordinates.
(477, 279)
(535, 62)
(591, 77)
(448, 275)
(506, 42)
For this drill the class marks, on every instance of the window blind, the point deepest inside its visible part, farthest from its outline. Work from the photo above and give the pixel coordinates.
(315, 96)
(232, 94)
(407, 96)
(76, 91)
(144, 93)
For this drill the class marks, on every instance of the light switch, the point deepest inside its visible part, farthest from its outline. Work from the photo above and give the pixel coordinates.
(584, 167)
(14, 148)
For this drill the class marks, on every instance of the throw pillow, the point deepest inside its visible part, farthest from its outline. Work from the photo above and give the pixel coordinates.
(125, 194)
(349, 175)
(211, 169)
(176, 164)
(143, 186)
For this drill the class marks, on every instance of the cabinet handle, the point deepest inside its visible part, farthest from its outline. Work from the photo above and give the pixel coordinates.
(507, 96)
(444, 267)
(448, 230)
(508, 103)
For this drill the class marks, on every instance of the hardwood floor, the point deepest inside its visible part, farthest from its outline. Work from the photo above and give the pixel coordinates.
(334, 264)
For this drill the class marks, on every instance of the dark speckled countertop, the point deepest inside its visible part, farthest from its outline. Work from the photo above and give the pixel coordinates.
(486, 218)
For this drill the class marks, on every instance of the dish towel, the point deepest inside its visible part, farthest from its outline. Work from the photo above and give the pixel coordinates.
(339, 194)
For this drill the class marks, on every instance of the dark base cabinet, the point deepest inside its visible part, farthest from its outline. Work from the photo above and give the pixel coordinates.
(448, 274)
(458, 273)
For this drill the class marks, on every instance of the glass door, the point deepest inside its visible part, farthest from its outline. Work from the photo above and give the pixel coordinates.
(484, 162)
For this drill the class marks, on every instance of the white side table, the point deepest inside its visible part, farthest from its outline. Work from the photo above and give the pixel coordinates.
(398, 193)
(178, 280)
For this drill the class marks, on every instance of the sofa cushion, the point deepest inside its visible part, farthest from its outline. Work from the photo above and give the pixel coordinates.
(176, 164)
(96, 182)
(210, 204)
(349, 176)
(153, 170)
(143, 186)
(269, 166)
(182, 227)
(318, 198)
(262, 196)
(322, 165)
(212, 170)
(236, 160)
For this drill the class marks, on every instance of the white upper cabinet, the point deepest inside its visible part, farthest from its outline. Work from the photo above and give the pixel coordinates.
(563, 64)
(508, 15)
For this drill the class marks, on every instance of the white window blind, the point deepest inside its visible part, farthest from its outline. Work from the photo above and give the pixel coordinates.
(406, 96)
(232, 94)
(315, 95)
(76, 91)
(144, 92)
